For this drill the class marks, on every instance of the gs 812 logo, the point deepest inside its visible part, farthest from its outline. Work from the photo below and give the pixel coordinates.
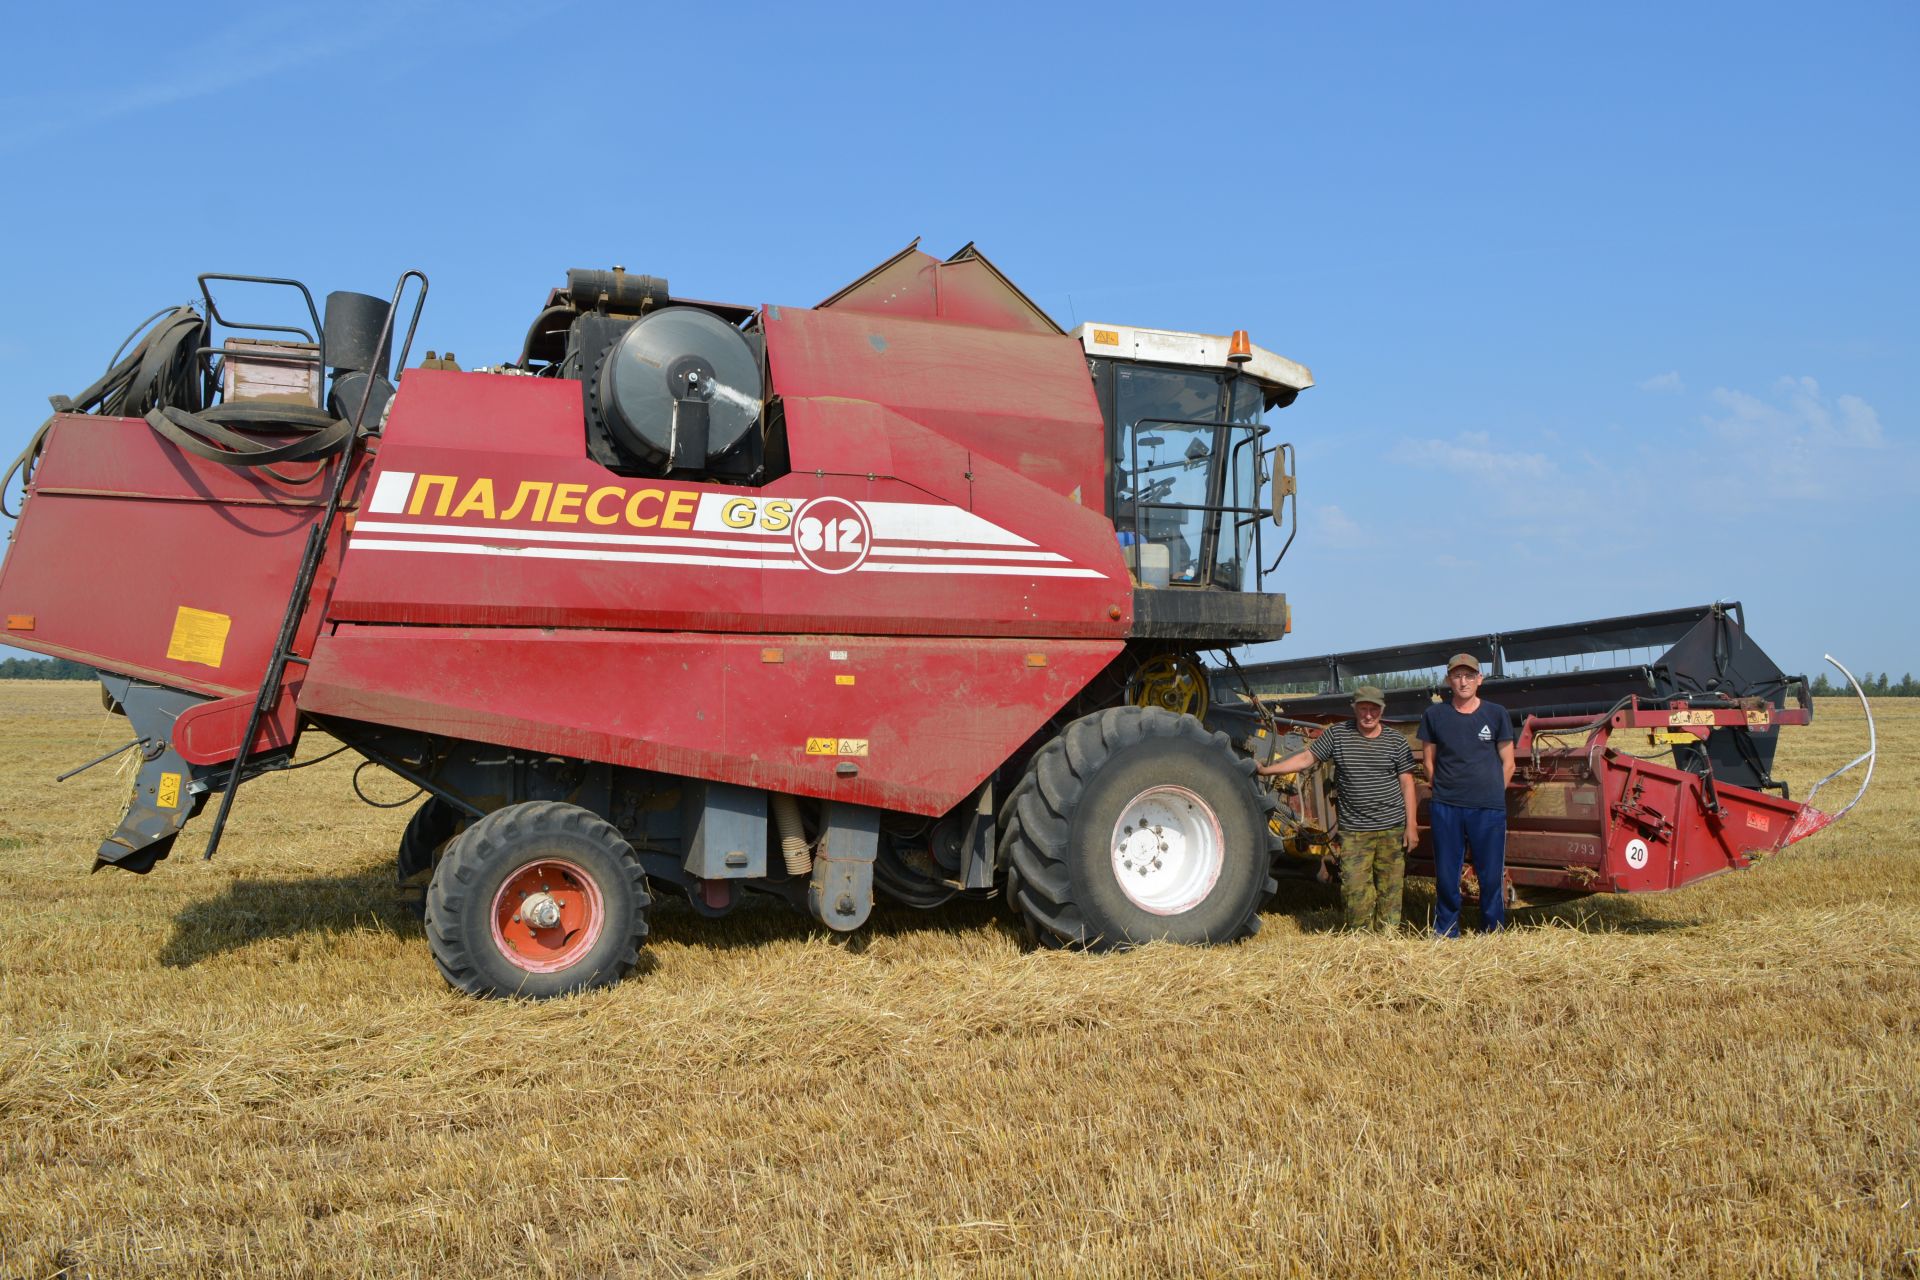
(832, 535)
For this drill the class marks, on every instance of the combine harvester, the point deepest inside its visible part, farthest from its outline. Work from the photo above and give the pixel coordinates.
(900, 593)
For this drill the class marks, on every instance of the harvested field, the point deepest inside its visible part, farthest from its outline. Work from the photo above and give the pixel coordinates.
(252, 1067)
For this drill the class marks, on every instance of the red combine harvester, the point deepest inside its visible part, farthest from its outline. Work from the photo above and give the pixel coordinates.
(902, 594)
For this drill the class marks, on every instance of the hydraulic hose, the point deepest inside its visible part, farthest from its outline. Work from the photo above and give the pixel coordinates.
(161, 379)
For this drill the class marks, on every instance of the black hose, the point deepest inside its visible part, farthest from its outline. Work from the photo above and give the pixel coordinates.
(161, 379)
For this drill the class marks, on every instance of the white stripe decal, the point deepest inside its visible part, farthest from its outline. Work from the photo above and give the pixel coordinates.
(360, 543)
(493, 536)
(493, 533)
(928, 522)
(1009, 570)
(962, 553)
(390, 492)
(568, 553)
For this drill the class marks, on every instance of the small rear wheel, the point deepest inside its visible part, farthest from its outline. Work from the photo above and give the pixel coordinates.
(537, 900)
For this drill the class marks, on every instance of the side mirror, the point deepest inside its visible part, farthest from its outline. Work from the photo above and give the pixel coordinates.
(1285, 486)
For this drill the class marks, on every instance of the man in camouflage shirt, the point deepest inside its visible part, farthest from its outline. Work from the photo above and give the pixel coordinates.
(1373, 768)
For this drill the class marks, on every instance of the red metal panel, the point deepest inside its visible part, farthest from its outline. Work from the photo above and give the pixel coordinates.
(210, 733)
(121, 532)
(905, 724)
(1023, 399)
(966, 290)
(951, 543)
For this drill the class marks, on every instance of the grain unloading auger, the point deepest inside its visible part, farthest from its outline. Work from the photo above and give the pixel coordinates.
(1584, 816)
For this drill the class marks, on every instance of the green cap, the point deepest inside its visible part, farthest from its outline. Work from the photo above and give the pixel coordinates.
(1367, 693)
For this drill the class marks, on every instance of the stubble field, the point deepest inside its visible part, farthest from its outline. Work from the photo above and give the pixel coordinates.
(252, 1067)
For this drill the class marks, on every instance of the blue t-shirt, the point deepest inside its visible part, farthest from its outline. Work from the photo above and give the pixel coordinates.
(1466, 757)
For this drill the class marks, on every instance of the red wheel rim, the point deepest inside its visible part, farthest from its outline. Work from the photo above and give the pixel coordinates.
(527, 945)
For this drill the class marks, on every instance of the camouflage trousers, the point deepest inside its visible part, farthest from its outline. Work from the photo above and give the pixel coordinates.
(1373, 871)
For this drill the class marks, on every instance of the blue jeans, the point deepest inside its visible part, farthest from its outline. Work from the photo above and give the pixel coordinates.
(1454, 829)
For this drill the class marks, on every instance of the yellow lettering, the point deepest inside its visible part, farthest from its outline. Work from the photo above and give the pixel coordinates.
(566, 504)
(479, 498)
(737, 513)
(778, 515)
(593, 504)
(634, 517)
(520, 499)
(444, 483)
(680, 505)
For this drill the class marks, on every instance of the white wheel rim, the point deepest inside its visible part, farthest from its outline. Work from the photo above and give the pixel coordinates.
(1167, 850)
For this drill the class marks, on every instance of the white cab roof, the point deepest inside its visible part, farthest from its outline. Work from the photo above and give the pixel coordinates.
(1198, 350)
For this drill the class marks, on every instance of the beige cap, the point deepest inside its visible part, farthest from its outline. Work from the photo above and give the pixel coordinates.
(1466, 660)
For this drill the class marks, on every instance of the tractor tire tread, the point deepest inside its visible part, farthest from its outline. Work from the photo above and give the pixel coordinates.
(1037, 822)
(489, 841)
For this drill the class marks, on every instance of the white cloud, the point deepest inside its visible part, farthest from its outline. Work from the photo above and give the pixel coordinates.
(1802, 443)
(1797, 416)
(1668, 381)
(1334, 528)
(1472, 454)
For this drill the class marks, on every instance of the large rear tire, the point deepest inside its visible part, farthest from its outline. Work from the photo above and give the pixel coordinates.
(1137, 825)
(537, 900)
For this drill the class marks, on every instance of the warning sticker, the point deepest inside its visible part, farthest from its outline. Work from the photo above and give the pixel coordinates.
(1758, 821)
(843, 679)
(1691, 717)
(199, 636)
(168, 795)
(836, 746)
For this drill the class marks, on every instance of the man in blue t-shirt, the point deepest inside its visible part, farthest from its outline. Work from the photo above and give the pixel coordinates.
(1469, 757)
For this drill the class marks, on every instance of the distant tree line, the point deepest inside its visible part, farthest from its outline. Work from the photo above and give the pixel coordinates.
(1875, 686)
(43, 669)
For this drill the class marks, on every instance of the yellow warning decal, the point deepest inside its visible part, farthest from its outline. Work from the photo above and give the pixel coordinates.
(843, 679)
(1107, 337)
(836, 746)
(199, 636)
(1690, 717)
(1758, 719)
(168, 796)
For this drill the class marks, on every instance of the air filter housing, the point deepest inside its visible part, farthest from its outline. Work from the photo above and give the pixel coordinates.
(678, 389)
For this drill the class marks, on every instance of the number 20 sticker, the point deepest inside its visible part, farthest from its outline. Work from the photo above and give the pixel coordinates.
(1636, 854)
(832, 535)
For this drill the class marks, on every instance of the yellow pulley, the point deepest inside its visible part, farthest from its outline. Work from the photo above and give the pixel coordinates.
(1175, 681)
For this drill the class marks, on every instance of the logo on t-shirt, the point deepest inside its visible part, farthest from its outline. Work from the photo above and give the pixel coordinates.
(1486, 733)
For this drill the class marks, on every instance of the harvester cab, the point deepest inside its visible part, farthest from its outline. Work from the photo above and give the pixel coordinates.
(1188, 462)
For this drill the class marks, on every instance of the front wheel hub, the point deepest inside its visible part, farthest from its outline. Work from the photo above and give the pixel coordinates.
(1167, 850)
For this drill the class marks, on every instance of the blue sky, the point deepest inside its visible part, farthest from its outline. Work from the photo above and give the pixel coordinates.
(1611, 308)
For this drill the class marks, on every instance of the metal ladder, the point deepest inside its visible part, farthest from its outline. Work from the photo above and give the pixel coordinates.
(310, 559)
